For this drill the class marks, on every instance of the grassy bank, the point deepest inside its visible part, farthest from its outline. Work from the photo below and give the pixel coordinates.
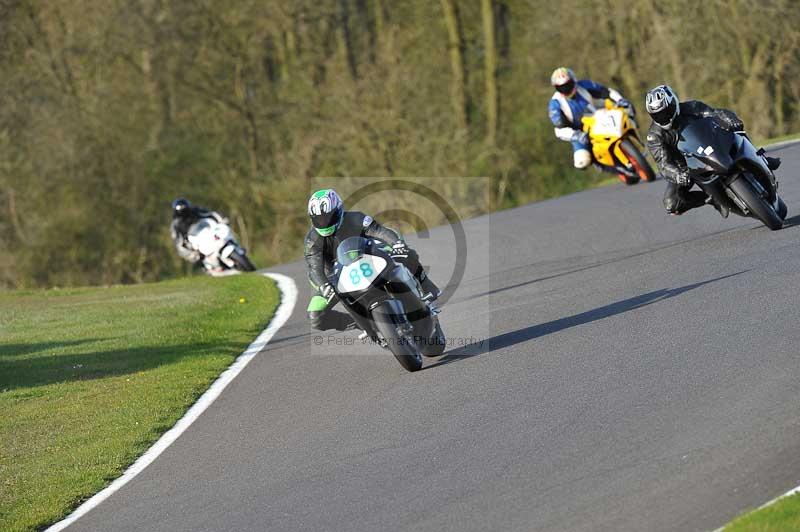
(776, 140)
(89, 378)
(779, 517)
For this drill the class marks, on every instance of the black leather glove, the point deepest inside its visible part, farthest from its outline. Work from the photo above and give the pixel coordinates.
(400, 249)
(682, 178)
(625, 104)
(327, 291)
(729, 120)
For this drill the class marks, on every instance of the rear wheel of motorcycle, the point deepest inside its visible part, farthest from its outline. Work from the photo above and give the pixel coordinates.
(757, 205)
(434, 346)
(242, 262)
(403, 348)
(637, 160)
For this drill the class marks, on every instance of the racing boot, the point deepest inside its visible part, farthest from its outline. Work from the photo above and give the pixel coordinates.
(430, 292)
(773, 163)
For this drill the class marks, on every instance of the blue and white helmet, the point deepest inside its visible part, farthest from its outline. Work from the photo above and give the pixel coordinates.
(325, 208)
(564, 81)
(663, 106)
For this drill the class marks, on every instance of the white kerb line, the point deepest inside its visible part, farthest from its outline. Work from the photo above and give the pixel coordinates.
(288, 292)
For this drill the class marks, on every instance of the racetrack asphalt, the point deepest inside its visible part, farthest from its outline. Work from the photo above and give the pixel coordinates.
(637, 372)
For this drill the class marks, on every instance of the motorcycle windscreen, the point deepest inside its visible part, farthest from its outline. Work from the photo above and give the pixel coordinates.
(351, 249)
(707, 146)
(199, 227)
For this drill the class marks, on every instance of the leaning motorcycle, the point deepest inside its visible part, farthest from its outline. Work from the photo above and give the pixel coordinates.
(616, 144)
(386, 301)
(218, 246)
(731, 171)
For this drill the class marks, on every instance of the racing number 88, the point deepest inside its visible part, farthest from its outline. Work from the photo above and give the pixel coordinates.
(366, 271)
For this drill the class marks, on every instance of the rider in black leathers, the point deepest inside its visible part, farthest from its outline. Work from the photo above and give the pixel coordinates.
(669, 116)
(184, 215)
(320, 254)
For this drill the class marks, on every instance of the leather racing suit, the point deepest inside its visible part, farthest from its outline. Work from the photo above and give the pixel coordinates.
(179, 229)
(566, 112)
(320, 254)
(663, 146)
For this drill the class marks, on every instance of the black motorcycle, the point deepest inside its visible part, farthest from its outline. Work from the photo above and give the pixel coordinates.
(386, 301)
(731, 171)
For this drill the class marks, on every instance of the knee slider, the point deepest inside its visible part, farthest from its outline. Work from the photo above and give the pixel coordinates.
(671, 204)
(582, 159)
(316, 320)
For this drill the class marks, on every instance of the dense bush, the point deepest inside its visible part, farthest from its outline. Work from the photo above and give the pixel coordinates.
(110, 108)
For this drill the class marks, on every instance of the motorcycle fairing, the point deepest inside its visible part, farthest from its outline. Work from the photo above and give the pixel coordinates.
(606, 128)
(712, 151)
(707, 147)
(360, 274)
(208, 236)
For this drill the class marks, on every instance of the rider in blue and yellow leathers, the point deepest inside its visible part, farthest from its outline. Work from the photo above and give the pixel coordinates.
(572, 100)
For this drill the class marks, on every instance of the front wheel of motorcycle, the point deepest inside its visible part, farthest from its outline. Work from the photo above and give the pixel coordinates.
(434, 346)
(242, 263)
(757, 205)
(402, 347)
(638, 160)
(782, 210)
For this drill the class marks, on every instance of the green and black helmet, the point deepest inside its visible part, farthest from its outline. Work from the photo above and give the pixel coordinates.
(325, 208)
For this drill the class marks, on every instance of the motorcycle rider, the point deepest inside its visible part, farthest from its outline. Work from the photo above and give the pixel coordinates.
(669, 116)
(184, 215)
(573, 99)
(331, 224)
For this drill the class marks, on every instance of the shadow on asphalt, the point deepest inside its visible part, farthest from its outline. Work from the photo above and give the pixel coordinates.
(791, 222)
(543, 329)
(294, 339)
(593, 265)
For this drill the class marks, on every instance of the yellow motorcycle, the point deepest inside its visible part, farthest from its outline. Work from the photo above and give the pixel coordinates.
(616, 144)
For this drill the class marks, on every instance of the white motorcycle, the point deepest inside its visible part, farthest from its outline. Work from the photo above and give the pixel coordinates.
(217, 244)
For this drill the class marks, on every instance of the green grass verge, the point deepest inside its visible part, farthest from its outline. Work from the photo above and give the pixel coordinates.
(782, 516)
(775, 140)
(90, 378)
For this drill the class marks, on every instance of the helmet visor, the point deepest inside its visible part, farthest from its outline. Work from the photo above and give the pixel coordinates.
(327, 222)
(665, 116)
(180, 210)
(566, 88)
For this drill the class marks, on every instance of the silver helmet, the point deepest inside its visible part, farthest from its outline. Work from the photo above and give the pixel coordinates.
(663, 106)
